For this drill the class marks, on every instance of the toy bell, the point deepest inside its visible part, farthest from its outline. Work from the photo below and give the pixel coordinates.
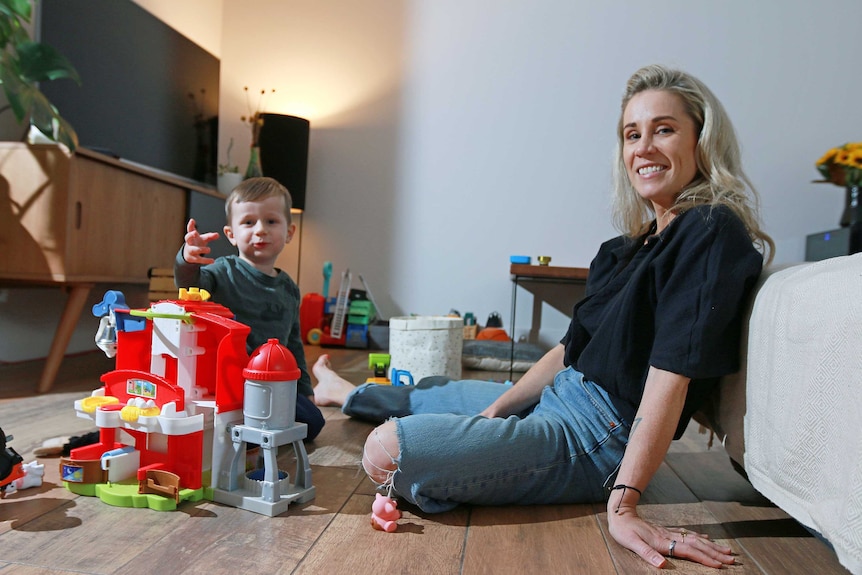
(106, 335)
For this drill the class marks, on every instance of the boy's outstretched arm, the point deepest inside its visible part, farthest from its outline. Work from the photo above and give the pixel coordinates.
(196, 246)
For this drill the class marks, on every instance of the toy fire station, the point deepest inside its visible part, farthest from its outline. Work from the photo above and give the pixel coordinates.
(178, 415)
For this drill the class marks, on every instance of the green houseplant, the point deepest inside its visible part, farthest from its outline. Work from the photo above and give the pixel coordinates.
(25, 63)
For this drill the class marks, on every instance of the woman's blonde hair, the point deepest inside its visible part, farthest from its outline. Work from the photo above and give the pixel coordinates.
(720, 178)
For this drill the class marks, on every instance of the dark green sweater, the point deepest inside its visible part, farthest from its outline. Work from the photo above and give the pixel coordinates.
(268, 305)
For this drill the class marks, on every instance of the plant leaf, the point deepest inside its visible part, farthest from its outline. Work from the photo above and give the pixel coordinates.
(24, 63)
(11, 14)
(17, 9)
(45, 117)
(15, 89)
(39, 62)
(42, 114)
(66, 133)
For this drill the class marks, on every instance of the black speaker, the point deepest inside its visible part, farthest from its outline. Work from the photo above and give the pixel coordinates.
(283, 142)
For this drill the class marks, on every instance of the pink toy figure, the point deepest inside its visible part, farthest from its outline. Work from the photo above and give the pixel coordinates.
(384, 513)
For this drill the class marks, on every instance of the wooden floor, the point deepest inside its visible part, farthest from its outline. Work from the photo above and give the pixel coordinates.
(47, 529)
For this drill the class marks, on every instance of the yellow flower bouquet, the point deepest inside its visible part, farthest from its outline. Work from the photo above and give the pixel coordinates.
(842, 166)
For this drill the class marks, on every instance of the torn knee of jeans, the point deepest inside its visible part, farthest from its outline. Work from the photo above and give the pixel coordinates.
(380, 476)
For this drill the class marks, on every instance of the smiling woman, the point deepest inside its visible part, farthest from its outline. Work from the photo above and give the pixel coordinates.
(718, 179)
(659, 142)
(660, 323)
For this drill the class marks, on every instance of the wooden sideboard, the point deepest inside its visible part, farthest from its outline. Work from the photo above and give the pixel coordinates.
(75, 220)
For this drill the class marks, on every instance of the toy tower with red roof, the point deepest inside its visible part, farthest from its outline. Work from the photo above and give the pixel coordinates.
(269, 411)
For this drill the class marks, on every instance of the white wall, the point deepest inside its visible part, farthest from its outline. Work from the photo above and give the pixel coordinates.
(339, 64)
(496, 137)
(448, 135)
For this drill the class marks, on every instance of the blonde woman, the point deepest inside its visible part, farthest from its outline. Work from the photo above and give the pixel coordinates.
(659, 325)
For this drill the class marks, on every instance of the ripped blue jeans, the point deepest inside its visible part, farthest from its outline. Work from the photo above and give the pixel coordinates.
(564, 450)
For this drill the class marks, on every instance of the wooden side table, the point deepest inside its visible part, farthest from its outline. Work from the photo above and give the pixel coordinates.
(543, 274)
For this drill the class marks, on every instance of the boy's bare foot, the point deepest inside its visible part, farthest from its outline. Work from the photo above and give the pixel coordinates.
(331, 388)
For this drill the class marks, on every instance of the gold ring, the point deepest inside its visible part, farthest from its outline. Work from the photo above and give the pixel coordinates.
(683, 533)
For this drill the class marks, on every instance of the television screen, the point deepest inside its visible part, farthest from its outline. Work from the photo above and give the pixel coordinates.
(148, 94)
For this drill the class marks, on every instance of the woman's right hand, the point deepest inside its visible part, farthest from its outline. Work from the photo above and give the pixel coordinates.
(528, 390)
(494, 410)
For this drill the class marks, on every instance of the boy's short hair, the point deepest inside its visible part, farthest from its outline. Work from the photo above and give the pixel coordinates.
(256, 189)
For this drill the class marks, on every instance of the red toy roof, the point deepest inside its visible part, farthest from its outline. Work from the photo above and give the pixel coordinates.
(272, 362)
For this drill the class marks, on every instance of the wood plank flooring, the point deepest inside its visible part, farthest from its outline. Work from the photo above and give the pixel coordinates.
(49, 530)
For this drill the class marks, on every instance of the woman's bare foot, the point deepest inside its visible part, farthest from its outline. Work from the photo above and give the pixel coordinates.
(331, 388)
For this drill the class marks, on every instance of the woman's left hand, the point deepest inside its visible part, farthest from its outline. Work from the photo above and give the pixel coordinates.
(654, 542)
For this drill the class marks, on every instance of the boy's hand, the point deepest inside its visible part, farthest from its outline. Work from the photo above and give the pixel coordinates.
(195, 247)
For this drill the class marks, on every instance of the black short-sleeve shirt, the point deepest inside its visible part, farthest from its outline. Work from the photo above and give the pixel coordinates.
(673, 301)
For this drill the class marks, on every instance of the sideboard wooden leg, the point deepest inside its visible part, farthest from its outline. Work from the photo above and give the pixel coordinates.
(78, 294)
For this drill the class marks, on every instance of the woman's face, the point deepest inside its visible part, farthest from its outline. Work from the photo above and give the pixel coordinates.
(659, 146)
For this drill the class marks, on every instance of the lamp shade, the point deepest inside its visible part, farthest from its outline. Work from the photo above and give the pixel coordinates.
(283, 142)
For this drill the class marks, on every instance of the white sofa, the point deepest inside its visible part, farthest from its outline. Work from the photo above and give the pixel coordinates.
(791, 417)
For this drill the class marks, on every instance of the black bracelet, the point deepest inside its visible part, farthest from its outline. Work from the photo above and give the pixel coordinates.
(624, 487)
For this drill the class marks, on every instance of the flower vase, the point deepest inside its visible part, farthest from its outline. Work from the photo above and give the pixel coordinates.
(852, 208)
(254, 169)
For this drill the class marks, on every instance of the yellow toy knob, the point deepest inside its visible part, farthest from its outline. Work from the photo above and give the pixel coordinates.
(194, 294)
(91, 404)
(150, 411)
(130, 413)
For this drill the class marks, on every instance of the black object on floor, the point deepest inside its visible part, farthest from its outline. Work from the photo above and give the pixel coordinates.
(77, 441)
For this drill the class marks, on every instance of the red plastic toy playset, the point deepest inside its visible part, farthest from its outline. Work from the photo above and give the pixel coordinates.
(177, 413)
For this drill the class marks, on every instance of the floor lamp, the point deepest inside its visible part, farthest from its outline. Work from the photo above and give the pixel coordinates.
(283, 142)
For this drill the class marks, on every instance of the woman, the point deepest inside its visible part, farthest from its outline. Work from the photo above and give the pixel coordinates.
(658, 326)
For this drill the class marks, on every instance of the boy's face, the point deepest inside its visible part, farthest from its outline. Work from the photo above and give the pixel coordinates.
(260, 231)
